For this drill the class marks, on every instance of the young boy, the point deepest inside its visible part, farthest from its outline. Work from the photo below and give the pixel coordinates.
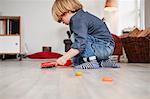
(92, 43)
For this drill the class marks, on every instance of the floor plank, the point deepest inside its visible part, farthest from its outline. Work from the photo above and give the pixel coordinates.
(26, 80)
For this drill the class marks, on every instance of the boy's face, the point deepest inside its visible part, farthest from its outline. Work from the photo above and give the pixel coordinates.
(65, 18)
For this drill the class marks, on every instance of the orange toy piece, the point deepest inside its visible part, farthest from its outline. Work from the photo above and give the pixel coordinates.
(78, 74)
(107, 79)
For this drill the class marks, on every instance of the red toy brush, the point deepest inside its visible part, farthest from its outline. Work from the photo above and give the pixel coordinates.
(54, 64)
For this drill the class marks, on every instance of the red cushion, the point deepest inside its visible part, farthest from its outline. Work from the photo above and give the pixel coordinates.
(44, 55)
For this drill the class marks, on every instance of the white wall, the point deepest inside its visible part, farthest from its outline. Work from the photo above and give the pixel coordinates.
(127, 14)
(94, 6)
(38, 27)
(147, 13)
(0, 9)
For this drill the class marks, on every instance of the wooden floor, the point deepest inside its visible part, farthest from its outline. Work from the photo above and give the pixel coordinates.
(25, 80)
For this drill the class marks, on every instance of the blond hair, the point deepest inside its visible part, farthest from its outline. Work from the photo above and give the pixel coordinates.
(63, 6)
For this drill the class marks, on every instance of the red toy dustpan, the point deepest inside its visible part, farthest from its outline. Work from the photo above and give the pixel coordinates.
(54, 64)
(48, 64)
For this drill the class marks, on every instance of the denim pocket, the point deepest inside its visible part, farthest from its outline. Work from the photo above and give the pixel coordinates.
(109, 49)
(102, 49)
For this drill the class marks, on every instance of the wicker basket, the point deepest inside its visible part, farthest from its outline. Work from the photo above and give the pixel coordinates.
(137, 49)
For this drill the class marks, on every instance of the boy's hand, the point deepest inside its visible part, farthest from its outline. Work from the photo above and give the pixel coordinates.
(61, 60)
(71, 53)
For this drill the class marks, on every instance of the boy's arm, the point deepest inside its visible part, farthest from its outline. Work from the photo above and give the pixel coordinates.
(71, 53)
